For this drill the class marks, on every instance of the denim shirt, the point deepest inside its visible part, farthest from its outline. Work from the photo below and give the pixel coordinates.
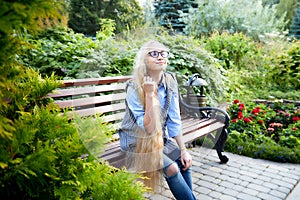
(134, 106)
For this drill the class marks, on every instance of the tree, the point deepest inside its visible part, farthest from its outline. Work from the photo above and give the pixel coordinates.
(86, 15)
(253, 18)
(168, 13)
(295, 25)
(287, 7)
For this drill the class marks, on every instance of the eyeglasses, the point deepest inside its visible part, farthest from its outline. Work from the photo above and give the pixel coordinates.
(155, 54)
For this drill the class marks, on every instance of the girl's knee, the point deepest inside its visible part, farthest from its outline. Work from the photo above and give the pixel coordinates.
(172, 170)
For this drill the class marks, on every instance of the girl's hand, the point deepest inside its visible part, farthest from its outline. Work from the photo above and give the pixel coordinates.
(186, 159)
(149, 85)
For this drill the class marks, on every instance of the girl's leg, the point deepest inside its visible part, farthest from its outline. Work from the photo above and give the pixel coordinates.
(177, 183)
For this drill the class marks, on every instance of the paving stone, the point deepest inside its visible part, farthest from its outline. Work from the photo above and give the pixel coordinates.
(270, 185)
(234, 180)
(246, 197)
(202, 190)
(267, 196)
(282, 183)
(231, 192)
(258, 188)
(215, 194)
(278, 194)
(238, 188)
(284, 189)
(203, 197)
(226, 197)
(251, 192)
(246, 178)
(289, 180)
(258, 181)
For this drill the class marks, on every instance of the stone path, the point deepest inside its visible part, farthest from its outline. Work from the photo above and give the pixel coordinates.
(242, 178)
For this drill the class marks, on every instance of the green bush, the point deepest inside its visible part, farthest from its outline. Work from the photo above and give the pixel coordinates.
(285, 69)
(230, 49)
(44, 155)
(265, 131)
(57, 50)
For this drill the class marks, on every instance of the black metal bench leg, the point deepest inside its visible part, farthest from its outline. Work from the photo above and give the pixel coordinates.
(221, 139)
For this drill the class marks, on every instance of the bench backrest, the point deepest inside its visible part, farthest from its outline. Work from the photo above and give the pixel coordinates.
(87, 97)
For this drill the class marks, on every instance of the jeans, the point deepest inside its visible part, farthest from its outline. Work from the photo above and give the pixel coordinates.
(180, 184)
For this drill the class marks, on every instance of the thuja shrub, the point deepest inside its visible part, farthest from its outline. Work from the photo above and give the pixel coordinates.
(45, 155)
(261, 131)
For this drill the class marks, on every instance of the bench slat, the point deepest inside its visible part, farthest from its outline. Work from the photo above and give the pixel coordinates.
(202, 132)
(96, 81)
(87, 101)
(87, 90)
(101, 110)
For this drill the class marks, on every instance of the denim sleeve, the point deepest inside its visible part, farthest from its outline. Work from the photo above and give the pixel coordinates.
(173, 118)
(135, 106)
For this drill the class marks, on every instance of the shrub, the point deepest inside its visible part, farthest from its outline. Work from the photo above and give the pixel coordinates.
(268, 132)
(285, 70)
(44, 155)
(57, 50)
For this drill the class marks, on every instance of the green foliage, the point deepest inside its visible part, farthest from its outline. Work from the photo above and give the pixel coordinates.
(86, 16)
(269, 132)
(285, 69)
(43, 155)
(218, 15)
(57, 50)
(230, 48)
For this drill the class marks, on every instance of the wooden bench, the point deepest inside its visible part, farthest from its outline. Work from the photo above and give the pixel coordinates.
(106, 96)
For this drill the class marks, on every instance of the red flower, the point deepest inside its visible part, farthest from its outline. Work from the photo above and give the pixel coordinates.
(256, 110)
(233, 120)
(242, 106)
(247, 120)
(261, 121)
(240, 115)
(294, 129)
(236, 101)
(296, 118)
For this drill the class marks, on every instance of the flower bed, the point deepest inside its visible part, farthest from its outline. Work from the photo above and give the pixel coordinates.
(267, 131)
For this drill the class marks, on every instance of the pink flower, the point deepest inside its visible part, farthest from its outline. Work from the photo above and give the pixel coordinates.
(271, 129)
(276, 124)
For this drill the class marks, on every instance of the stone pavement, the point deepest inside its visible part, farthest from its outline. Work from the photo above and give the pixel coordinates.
(242, 178)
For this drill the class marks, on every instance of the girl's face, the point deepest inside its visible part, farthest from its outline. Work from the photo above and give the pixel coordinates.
(157, 60)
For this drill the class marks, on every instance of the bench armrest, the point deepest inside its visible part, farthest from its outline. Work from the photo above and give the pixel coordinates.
(204, 112)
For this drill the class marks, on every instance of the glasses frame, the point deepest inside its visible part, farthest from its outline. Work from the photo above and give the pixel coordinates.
(159, 53)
